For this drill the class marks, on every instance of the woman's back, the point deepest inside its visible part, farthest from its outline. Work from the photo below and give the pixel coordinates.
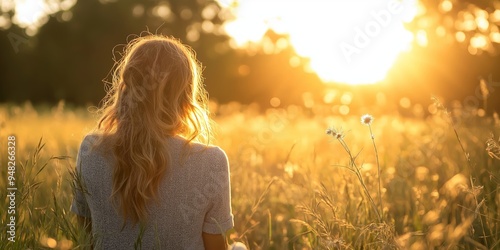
(194, 197)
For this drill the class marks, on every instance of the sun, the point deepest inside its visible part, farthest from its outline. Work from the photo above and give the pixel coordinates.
(353, 42)
(33, 14)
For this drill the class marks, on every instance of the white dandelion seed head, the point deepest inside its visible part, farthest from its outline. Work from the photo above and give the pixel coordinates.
(367, 119)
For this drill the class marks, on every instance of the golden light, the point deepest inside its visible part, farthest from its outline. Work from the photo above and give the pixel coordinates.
(52, 243)
(344, 41)
(446, 5)
(422, 38)
(32, 14)
(495, 36)
(495, 17)
(460, 36)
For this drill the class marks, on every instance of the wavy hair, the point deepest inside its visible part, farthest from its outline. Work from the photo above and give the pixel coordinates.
(156, 92)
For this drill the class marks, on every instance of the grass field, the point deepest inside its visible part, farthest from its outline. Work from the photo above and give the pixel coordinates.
(293, 186)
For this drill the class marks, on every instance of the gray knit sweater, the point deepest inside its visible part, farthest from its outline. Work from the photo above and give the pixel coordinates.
(194, 197)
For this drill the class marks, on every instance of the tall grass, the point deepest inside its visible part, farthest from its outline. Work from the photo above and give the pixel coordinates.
(288, 191)
(41, 205)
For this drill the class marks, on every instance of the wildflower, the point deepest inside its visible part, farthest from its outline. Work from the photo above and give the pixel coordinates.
(367, 119)
(329, 131)
(484, 89)
(337, 134)
(493, 148)
(439, 105)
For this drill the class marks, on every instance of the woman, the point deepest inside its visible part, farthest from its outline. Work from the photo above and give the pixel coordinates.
(144, 180)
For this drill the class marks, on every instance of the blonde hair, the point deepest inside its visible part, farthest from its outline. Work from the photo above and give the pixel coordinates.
(156, 92)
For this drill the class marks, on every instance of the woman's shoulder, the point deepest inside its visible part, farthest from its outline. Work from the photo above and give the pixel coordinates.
(90, 138)
(97, 139)
(205, 151)
(93, 142)
(209, 149)
(88, 142)
(216, 153)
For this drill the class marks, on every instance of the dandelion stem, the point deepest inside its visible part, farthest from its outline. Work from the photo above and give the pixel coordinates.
(337, 134)
(440, 106)
(461, 144)
(378, 168)
(360, 177)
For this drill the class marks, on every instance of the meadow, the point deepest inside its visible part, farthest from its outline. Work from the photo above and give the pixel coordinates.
(293, 185)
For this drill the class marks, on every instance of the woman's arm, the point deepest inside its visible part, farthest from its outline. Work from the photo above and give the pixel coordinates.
(214, 241)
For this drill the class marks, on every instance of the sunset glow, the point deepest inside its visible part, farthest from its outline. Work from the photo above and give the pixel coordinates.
(350, 42)
(32, 14)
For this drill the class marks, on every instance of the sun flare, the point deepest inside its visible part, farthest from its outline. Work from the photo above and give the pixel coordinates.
(33, 14)
(353, 42)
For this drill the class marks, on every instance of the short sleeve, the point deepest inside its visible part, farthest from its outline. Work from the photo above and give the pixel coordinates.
(219, 217)
(79, 205)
